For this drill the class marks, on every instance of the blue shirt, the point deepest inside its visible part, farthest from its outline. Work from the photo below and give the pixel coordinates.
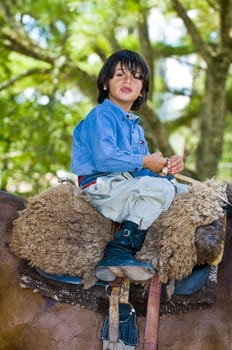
(108, 140)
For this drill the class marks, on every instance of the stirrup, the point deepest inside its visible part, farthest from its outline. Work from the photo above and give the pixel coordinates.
(125, 269)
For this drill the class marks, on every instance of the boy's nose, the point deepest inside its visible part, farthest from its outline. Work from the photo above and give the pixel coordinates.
(128, 76)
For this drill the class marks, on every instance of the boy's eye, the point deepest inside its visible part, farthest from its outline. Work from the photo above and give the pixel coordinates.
(137, 75)
(133, 75)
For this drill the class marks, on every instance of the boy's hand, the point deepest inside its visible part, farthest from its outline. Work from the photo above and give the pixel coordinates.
(175, 164)
(154, 162)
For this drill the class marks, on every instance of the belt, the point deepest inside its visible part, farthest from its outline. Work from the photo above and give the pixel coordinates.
(85, 181)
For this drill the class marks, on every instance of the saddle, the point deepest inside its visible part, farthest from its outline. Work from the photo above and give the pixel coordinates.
(122, 300)
(55, 240)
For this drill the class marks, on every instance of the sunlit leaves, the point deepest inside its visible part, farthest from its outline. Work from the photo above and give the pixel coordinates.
(50, 54)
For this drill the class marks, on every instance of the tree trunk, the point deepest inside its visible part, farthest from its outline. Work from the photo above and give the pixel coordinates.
(156, 132)
(213, 118)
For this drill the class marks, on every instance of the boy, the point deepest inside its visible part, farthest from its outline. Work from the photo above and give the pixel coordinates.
(115, 168)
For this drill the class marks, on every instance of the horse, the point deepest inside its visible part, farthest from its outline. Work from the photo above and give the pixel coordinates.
(29, 321)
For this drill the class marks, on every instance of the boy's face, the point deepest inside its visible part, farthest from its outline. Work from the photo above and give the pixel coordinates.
(125, 86)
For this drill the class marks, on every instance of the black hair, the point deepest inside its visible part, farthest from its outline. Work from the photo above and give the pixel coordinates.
(132, 61)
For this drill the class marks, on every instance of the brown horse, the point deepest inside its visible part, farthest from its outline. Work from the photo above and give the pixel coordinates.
(27, 322)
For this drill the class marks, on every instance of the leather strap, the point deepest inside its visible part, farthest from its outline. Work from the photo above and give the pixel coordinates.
(152, 317)
(115, 226)
(114, 315)
(125, 291)
(119, 294)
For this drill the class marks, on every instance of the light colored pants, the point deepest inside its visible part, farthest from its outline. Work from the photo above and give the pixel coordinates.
(121, 197)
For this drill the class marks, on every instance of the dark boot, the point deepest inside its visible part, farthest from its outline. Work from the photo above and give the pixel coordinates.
(118, 259)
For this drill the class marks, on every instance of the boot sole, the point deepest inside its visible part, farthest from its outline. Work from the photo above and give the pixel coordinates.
(134, 273)
(103, 273)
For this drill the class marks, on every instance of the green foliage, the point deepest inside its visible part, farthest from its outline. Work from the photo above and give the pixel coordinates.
(50, 54)
(36, 137)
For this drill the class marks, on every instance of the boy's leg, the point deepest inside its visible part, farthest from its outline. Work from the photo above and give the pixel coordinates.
(140, 200)
(136, 202)
(119, 255)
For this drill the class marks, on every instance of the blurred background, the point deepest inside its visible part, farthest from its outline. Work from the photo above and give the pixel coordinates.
(51, 52)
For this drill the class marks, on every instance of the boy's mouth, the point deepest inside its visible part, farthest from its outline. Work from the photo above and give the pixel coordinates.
(126, 89)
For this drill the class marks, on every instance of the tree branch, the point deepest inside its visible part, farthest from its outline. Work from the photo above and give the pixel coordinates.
(146, 47)
(202, 48)
(155, 130)
(226, 22)
(214, 5)
(27, 48)
(18, 77)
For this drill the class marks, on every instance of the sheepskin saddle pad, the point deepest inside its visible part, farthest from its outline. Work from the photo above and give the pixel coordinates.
(60, 232)
(195, 292)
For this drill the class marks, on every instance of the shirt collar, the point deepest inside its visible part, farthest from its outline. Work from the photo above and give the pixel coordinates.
(122, 113)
